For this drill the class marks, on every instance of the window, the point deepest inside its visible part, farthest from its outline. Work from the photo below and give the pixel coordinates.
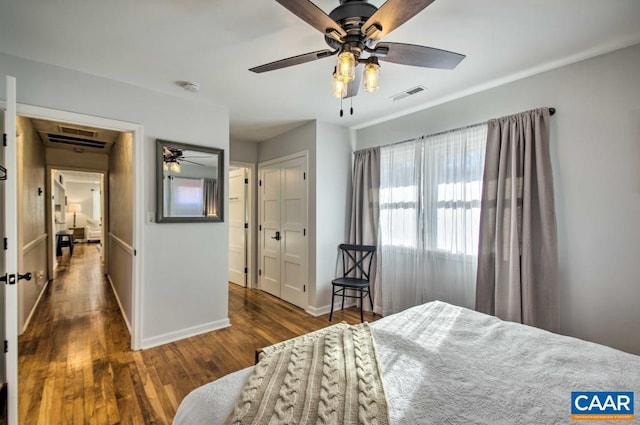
(186, 198)
(430, 192)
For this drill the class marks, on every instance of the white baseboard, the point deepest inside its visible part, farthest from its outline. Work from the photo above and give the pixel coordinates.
(326, 309)
(185, 333)
(115, 293)
(35, 305)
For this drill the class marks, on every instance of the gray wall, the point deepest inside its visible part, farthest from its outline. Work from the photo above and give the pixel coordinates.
(595, 147)
(183, 266)
(32, 234)
(243, 151)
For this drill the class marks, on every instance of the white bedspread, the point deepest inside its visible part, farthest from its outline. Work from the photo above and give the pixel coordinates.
(448, 365)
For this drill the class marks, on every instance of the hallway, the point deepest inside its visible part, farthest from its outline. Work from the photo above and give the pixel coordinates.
(74, 347)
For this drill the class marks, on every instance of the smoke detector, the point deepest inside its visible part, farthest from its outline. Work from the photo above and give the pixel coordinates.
(189, 86)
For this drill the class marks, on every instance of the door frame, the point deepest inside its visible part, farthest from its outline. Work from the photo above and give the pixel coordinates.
(302, 154)
(139, 170)
(252, 234)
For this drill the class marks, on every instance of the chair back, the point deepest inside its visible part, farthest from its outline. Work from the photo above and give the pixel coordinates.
(356, 260)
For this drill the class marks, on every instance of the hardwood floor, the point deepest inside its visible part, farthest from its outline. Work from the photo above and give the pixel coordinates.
(76, 366)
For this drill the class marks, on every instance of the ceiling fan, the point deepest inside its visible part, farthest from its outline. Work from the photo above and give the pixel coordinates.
(353, 31)
(172, 157)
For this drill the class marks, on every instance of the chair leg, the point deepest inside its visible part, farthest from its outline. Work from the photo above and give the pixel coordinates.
(361, 305)
(343, 291)
(333, 294)
(370, 300)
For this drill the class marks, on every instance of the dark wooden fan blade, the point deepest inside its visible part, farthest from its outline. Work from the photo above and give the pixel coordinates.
(296, 60)
(392, 14)
(352, 88)
(314, 16)
(426, 57)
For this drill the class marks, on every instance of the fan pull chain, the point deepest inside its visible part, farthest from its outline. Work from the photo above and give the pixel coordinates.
(351, 105)
(341, 111)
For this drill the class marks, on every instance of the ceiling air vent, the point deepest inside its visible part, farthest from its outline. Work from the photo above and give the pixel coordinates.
(407, 93)
(78, 132)
(75, 141)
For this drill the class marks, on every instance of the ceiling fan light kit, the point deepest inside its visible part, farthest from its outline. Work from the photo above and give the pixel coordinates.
(353, 31)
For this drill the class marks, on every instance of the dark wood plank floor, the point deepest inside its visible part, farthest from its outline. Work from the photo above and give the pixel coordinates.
(76, 366)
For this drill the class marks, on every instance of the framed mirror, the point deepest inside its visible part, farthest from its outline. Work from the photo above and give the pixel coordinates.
(189, 183)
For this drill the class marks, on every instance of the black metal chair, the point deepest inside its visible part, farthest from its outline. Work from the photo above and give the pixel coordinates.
(356, 269)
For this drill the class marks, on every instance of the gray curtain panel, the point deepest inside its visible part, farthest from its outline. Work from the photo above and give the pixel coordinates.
(517, 255)
(210, 193)
(365, 209)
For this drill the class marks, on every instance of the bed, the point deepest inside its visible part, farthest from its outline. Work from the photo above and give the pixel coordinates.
(443, 364)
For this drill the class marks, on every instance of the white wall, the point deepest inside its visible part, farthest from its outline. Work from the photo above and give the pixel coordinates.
(80, 193)
(595, 145)
(184, 286)
(333, 203)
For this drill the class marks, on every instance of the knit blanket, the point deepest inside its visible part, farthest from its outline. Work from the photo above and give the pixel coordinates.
(331, 376)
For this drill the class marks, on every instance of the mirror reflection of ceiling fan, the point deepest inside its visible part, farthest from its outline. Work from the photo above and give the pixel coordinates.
(173, 157)
(353, 31)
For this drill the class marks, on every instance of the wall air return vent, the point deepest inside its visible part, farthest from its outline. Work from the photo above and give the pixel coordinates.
(78, 132)
(75, 141)
(407, 93)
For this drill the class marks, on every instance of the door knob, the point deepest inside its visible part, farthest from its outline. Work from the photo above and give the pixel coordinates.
(26, 276)
(276, 237)
(11, 278)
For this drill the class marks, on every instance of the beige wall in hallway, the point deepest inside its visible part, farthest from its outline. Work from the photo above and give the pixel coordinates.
(32, 235)
(120, 223)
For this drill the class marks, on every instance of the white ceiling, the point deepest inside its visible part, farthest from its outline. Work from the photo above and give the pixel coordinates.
(155, 43)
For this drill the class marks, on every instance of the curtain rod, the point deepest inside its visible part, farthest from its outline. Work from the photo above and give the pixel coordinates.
(552, 111)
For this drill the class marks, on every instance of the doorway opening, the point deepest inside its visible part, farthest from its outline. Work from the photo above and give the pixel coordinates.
(78, 207)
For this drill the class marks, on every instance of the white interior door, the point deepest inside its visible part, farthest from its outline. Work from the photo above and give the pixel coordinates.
(237, 232)
(293, 250)
(283, 235)
(10, 263)
(269, 273)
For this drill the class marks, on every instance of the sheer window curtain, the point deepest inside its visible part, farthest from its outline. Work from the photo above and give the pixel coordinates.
(518, 259)
(429, 219)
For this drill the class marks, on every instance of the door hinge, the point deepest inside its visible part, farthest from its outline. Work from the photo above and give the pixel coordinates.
(135, 252)
(246, 181)
(246, 270)
(304, 288)
(304, 176)
(260, 227)
(304, 232)
(246, 225)
(259, 272)
(260, 183)
(4, 139)
(6, 244)
(6, 346)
